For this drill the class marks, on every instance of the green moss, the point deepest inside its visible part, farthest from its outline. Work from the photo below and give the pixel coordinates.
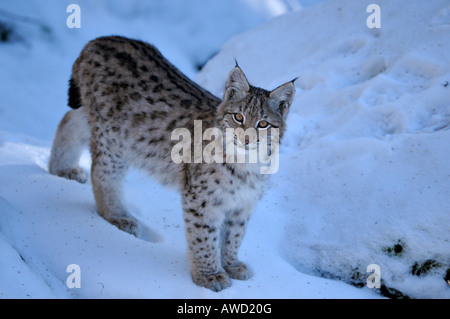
(395, 250)
(5, 32)
(392, 293)
(424, 268)
(447, 277)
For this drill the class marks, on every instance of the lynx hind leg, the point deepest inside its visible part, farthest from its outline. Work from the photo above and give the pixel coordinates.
(71, 137)
(107, 178)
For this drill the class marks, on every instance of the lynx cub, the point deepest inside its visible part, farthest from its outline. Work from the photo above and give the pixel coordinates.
(127, 100)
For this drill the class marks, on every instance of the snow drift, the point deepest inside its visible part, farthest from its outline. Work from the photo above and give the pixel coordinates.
(364, 173)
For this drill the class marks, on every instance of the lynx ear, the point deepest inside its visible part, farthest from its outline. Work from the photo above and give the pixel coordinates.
(237, 84)
(282, 97)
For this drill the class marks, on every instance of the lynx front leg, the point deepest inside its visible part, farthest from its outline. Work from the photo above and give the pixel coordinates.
(107, 178)
(203, 239)
(232, 234)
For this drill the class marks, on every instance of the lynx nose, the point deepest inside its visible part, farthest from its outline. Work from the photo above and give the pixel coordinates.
(246, 138)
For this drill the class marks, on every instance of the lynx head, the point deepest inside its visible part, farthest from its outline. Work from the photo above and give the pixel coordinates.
(248, 107)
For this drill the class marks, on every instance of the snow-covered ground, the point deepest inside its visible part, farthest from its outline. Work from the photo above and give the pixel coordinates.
(364, 168)
(366, 162)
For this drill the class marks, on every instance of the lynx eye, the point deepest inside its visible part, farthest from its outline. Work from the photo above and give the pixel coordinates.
(238, 117)
(263, 124)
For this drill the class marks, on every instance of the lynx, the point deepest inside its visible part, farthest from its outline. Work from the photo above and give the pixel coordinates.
(127, 99)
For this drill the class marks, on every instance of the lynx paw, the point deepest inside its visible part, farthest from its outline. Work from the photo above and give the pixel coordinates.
(76, 174)
(216, 282)
(239, 271)
(126, 224)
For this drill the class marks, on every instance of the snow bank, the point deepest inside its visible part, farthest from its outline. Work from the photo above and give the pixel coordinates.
(48, 223)
(365, 164)
(364, 172)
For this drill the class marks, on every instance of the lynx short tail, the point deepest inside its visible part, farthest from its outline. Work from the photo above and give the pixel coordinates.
(74, 95)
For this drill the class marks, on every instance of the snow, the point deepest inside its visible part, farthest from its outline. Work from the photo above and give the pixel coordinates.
(363, 167)
(365, 163)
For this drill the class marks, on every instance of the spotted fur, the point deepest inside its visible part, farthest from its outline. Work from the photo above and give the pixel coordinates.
(127, 100)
